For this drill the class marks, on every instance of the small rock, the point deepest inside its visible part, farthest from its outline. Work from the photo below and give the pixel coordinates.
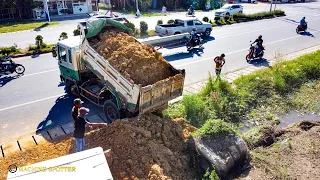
(147, 134)
(133, 135)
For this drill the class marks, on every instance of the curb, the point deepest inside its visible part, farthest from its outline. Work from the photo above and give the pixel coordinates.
(30, 54)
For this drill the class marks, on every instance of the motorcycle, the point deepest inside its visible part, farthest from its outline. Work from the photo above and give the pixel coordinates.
(190, 13)
(301, 28)
(252, 55)
(192, 44)
(8, 65)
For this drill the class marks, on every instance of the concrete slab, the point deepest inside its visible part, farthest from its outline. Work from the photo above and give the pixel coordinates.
(26, 141)
(56, 132)
(68, 127)
(10, 147)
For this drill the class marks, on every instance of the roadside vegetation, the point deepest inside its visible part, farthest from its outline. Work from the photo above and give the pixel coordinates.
(278, 89)
(21, 25)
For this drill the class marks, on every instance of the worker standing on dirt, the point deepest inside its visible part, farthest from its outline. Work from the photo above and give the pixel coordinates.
(77, 103)
(79, 128)
(220, 61)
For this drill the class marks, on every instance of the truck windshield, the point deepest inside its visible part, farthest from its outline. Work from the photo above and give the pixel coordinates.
(62, 53)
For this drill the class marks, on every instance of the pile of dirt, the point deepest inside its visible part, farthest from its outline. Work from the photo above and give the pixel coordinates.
(146, 147)
(296, 155)
(138, 63)
(187, 128)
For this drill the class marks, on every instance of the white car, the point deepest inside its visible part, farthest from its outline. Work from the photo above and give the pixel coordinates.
(248, 1)
(229, 9)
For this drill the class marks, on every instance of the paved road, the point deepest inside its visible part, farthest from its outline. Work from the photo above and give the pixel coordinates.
(36, 100)
(51, 34)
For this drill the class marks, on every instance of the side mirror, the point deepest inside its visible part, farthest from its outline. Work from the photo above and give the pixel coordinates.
(54, 51)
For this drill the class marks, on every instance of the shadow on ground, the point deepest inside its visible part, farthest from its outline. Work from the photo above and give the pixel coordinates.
(306, 34)
(40, 27)
(183, 55)
(4, 79)
(262, 62)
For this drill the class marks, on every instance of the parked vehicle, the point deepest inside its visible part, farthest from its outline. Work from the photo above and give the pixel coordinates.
(229, 9)
(8, 65)
(301, 28)
(184, 26)
(251, 55)
(192, 44)
(89, 75)
(248, 1)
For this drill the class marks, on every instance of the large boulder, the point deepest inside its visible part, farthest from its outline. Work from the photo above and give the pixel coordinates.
(222, 152)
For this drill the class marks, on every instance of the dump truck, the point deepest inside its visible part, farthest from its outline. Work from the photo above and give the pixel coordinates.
(89, 75)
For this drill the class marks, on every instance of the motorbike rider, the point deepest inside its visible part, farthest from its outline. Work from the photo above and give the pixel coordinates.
(190, 10)
(193, 34)
(258, 47)
(220, 61)
(303, 23)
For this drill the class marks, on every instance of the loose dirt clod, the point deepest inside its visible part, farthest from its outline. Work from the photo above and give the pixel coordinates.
(137, 62)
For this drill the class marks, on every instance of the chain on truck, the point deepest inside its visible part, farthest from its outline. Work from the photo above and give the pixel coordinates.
(89, 75)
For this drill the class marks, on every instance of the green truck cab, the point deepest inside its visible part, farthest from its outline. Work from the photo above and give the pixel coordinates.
(87, 74)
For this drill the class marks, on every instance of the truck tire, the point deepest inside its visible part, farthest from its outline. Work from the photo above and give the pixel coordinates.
(72, 89)
(111, 111)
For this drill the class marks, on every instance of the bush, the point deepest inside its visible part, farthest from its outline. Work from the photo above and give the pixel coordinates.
(215, 128)
(210, 175)
(131, 26)
(43, 45)
(143, 28)
(76, 32)
(217, 18)
(205, 19)
(170, 21)
(159, 22)
(39, 40)
(63, 35)
(9, 50)
(32, 48)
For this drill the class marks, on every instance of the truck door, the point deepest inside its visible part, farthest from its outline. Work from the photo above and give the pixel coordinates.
(189, 26)
(68, 69)
(199, 26)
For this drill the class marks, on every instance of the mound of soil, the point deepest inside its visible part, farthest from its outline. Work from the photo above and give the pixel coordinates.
(138, 63)
(295, 156)
(146, 147)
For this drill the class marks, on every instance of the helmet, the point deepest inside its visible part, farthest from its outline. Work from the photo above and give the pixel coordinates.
(260, 36)
(223, 55)
(194, 29)
(303, 17)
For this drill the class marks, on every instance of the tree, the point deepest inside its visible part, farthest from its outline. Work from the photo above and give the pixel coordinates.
(39, 41)
(63, 36)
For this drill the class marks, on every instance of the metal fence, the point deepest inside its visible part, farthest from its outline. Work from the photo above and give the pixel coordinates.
(18, 13)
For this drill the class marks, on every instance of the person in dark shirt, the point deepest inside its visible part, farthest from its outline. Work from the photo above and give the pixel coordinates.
(259, 42)
(79, 128)
(77, 103)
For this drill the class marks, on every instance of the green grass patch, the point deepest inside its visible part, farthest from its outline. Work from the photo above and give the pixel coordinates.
(150, 33)
(175, 110)
(215, 128)
(13, 26)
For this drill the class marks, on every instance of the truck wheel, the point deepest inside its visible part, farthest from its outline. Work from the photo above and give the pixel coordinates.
(207, 32)
(72, 89)
(111, 111)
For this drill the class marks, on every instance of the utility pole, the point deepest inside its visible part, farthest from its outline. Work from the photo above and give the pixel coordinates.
(138, 12)
(275, 5)
(271, 5)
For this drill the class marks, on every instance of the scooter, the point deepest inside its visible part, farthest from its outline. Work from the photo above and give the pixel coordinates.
(190, 13)
(301, 29)
(8, 65)
(252, 55)
(198, 42)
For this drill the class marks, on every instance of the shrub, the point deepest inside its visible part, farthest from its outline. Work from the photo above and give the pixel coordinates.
(39, 40)
(217, 18)
(63, 35)
(43, 45)
(76, 32)
(170, 21)
(9, 50)
(226, 18)
(143, 28)
(205, 19)
(131, 26)
(210, 175)
(160, 22)
(196, 109)
(32, 48)
(215, 128)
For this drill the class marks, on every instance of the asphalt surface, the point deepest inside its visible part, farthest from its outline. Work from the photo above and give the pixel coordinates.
(51, 34)
(37, 99)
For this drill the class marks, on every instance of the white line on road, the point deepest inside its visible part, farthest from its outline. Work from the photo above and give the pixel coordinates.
(31, 102)
(185, 64)
(42, 72)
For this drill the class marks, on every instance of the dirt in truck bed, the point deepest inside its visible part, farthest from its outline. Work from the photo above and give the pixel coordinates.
(146, 147)
(138, 63)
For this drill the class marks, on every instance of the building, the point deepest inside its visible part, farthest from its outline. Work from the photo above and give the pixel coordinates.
(63, 7)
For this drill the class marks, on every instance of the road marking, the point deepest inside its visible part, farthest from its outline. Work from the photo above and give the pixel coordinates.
(40, 73)
(181, 65)
(31, 102)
